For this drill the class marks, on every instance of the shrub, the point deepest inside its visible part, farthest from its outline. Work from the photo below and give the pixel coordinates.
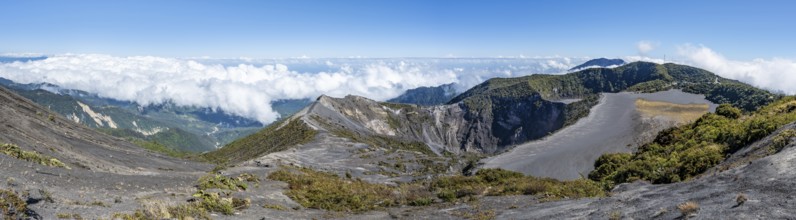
(740, 199)
(781, 140)
(423, 201)
(215, 202)
(607, 164)
(688, 208)
(11, 206)
(221, 182)
(728, 111)
(615, 215)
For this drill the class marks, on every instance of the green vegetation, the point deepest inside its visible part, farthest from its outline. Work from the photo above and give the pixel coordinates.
(499, 182)
(31, 156)
(572, 85)
(160, 148)
(173, 141)
(215, 202)
(580, 109)
(74, 216)
(276, 137)
(781, 140)
(328, 191)
(427, 96)
(728, 111)
(11, 206)
(227, 183)
(683, 152)
(637, 76)
(275, 207)
(651, 86)
(193, 210)
(737, 94)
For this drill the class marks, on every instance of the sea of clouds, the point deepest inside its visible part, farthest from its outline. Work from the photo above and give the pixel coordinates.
(246, 87)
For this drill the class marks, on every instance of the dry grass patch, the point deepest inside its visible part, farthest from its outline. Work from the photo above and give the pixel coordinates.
(682, 113)
(688, 208)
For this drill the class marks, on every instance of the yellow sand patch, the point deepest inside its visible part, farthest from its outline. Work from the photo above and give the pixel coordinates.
(682, 113)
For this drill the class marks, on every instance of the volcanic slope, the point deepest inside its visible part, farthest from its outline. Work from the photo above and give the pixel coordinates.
(61, 166)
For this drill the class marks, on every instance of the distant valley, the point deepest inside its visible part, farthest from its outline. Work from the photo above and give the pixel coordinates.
(181, 128)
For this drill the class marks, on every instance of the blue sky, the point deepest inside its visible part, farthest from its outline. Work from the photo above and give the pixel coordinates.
(267, 29)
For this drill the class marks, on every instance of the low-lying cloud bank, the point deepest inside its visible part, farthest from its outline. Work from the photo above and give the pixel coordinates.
(776, 74)
(247, 88)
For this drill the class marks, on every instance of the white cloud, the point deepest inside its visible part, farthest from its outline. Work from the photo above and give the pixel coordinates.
(630, 59)
(775, 73)
(246, 87)
(646, 46)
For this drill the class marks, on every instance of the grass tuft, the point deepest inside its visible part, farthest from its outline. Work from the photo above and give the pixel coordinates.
(11, 205)
(688, 208)
(31, 156)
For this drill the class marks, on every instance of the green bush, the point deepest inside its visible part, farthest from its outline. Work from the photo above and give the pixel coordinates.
(728, 111)
(607, 164)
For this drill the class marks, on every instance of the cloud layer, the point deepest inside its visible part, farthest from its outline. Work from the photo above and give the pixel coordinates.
(246, 87)
(775, 74)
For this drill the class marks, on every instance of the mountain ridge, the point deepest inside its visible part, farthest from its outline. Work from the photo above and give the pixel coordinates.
(502, 112)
